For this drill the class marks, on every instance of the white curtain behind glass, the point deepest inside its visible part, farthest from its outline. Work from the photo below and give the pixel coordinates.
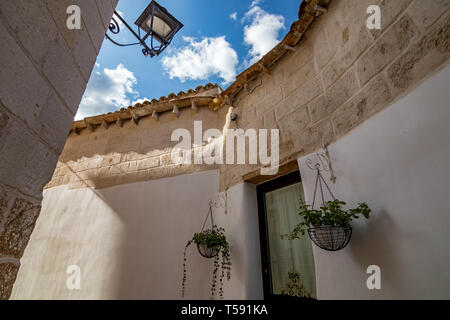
(286, 256)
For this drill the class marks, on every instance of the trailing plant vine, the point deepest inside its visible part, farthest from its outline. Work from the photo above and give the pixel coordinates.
(213, 239)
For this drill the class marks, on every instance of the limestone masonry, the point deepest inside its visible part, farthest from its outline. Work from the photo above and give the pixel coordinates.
(327, 76)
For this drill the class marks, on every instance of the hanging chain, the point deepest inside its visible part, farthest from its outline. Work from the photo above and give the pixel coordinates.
(320, 180)
(220, 203)
(210, 213)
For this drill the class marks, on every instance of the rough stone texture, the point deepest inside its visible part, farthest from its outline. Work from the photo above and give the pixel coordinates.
(342, 90)
(54, 58)
(3, 121)
(79, 41)
(27, 162)
(389, 46)
(425, 13)
(18, 75)
(297, 120)
(8, 274)
(44, 71)
(390, 11)
(119, 155)
(104, 11)
(314, 137)
(347, 36)
(93, 21)
(426, 54)
(293, 81)
(18, 227)
(370, 100)
(299, 98)
(3, 207)
(319, 108)
(360, 71)
(345, 58)
(322, 49)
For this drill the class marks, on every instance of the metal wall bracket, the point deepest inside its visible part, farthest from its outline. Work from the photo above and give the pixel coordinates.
(322, 163)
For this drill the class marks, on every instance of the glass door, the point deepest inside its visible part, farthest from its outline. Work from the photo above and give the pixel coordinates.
(288, 265)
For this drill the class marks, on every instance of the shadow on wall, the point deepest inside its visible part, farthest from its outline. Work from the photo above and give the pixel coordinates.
(374, 240)
(128, 241)
(159, 218)
(118, 155)
(149, 138)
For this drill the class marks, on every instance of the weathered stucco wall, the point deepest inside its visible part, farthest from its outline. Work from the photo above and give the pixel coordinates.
(397, 162)
(128, 242)
(44, 71)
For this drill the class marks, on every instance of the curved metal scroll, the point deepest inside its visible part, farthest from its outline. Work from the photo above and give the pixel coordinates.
(323, 163)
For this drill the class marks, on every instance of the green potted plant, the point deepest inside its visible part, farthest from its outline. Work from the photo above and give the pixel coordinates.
(329, 226)
(211, 243)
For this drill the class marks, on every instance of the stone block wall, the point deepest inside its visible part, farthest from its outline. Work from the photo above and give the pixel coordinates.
(44, 71)
(342, 73)
(129, 152)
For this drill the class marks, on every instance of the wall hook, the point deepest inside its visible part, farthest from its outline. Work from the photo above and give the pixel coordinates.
(322, 163)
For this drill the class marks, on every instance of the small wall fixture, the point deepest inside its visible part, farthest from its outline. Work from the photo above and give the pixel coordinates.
(157, 23)
(319, 9)
(155, 115)
(105, 124)
(119, 121)
(176, 111)
(194, 106)
(135, 119)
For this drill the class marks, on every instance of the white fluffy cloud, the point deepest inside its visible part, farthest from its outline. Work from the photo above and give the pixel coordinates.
(255, 3)
(117, 19)
(140, 101)
(261, 34)
(107, 91)
(202, 59)
(233, 16)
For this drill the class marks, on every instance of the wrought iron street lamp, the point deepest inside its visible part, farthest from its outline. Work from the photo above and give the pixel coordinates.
(157, 23)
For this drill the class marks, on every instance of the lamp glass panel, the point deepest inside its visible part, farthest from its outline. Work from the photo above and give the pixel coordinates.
(159, 26)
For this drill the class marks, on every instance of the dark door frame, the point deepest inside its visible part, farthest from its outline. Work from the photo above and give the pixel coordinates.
(271, 185)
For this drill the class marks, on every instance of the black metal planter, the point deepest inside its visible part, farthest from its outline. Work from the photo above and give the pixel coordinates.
(330, 238)
(206, 251)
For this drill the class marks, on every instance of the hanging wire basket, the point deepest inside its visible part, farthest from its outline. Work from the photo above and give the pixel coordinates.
(330, 238)
(203, 249)
(206, 251)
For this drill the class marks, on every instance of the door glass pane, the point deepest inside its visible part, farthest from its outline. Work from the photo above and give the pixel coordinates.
(291, 261)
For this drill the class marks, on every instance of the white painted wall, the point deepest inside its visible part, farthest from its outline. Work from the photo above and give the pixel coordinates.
(129, 240)
(241, 223)
(398, 162)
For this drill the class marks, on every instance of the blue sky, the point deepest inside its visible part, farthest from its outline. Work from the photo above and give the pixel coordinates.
(219, 40)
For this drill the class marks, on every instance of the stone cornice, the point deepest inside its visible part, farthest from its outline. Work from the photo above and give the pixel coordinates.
(208, 95)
